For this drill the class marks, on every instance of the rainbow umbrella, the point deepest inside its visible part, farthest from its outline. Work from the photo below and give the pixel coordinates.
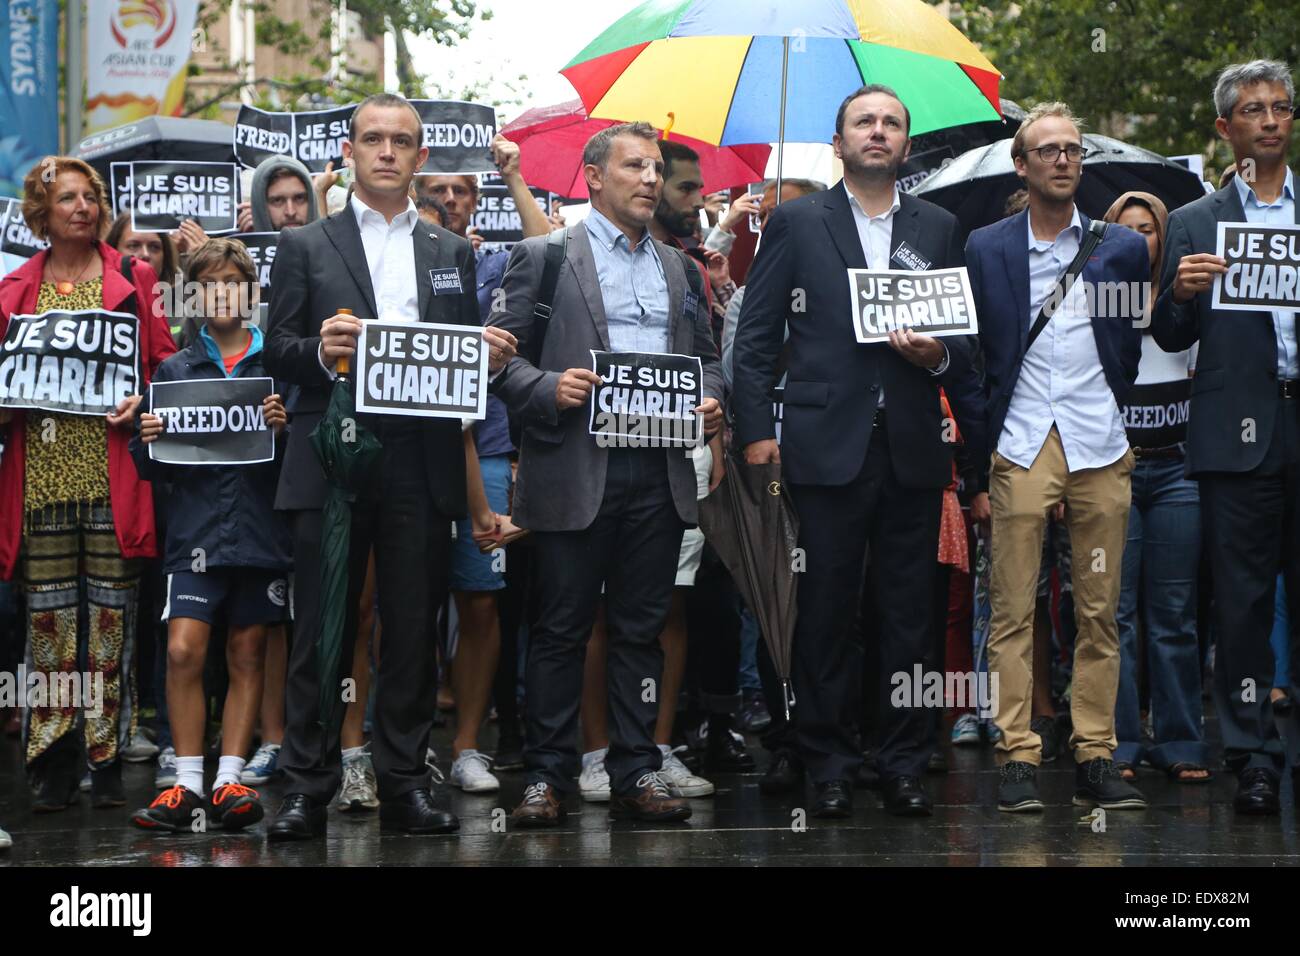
(726, 69)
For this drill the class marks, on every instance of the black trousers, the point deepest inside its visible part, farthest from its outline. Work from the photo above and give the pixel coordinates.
(1251, 525)
(396, 516)
(836, 524)
(631, 547)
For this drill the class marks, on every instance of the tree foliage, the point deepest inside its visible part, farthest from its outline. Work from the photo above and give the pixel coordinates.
(1141, 70)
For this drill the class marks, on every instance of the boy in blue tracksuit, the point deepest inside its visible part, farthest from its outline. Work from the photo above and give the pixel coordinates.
(226, 552)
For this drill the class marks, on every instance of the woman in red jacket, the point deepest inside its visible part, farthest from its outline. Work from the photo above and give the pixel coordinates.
(74, 515)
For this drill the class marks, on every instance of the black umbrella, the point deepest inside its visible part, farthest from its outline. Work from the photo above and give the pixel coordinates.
(750, 522)
(931, 150)
(976, 185)
(159, 137)
(348, 452)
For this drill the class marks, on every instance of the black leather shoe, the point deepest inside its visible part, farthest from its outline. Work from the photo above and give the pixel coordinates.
(415, 812)
(1257, 792)
(106, 787)
(783, 775)
(297, 819)
(724, 753)
(834, 800)
(905, 797)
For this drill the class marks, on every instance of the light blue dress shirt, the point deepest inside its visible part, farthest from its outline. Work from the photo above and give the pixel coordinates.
(1061, 380)
(633, 287)
(1280, 212)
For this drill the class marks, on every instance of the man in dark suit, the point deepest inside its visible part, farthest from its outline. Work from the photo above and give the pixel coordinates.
(864, 447)
(1057, 435)
(1243, 431)
(377, 260)
(601, 515)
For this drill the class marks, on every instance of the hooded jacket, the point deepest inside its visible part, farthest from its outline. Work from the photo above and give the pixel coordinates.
(223, 509)
(262, 178)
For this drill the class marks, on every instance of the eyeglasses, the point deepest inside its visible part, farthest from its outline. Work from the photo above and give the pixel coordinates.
(1254, 111)
(1050, 154)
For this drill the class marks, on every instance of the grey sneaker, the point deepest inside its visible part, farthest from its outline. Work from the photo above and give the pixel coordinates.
(140, 750)
(1099, 784)
(1018, 788)
(680, 779)
(164, 777)
(359, 790)
(593, 783)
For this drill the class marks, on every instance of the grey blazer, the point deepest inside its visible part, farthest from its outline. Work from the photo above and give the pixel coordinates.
(561, 480)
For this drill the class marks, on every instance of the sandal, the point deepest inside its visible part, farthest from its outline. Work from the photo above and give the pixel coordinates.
(1176, 771)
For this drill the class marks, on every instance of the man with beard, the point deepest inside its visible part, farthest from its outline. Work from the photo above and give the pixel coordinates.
(865, 449)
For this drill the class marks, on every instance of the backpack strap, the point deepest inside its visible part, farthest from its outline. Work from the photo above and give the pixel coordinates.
(556, 249)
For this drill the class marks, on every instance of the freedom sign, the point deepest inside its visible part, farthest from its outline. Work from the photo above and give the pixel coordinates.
(459, 136)
(1263, 268)
(930, 302)
(81, 363)
(163, 195)
(217, 421)
(646, 399)
(426, 369)
(1155, 414)
(313, 138)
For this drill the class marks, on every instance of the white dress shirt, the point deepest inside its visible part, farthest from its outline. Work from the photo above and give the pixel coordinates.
(1061, 379)
(874, 233)
(1280, 212)
(390, 257)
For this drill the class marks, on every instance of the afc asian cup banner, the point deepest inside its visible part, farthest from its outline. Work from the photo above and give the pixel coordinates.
(29, 97)
(137, 54)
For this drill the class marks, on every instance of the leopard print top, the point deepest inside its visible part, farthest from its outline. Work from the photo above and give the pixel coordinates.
(67, 455)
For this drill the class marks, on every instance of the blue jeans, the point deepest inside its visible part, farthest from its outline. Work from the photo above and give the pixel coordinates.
(749, 638)
(1281, 637)
(1159, 582)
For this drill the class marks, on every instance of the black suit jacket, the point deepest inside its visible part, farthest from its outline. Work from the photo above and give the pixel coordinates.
(1236, 367)
(833, 382)
(320, 268)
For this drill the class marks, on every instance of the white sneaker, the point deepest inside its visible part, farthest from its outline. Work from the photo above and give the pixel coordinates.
(140, 750)
(470, 772)
(164, 777)
(431, 761)
(359, 790)
(593, 783)
(679, 778)
(6, 841)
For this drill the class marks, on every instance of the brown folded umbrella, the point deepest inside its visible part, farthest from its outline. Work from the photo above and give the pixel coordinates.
(750, 522)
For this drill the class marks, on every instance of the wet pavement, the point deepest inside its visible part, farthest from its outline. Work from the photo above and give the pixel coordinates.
(1184, 826)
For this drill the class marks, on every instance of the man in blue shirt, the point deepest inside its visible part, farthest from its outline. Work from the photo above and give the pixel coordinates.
(1057, 437)
(1243, 430)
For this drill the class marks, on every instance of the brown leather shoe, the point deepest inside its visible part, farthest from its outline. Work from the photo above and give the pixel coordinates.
(541, 807)
(651, 801)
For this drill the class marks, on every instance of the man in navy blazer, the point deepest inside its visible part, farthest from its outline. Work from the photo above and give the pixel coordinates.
(1243, 431)
(1056, 435)
(865, 448)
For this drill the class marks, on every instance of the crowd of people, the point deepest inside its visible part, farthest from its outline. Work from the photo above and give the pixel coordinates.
(983, 504)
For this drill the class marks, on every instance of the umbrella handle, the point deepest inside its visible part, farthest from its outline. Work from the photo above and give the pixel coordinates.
(344, 364)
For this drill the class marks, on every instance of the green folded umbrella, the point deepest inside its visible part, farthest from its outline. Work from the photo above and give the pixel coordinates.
(348, 452)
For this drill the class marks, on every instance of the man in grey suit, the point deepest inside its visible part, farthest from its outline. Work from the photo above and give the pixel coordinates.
(1243, 430)
(600, 515)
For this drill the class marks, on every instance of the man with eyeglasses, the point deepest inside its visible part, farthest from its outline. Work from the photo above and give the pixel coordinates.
(1059, 439)
(1243, 436)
